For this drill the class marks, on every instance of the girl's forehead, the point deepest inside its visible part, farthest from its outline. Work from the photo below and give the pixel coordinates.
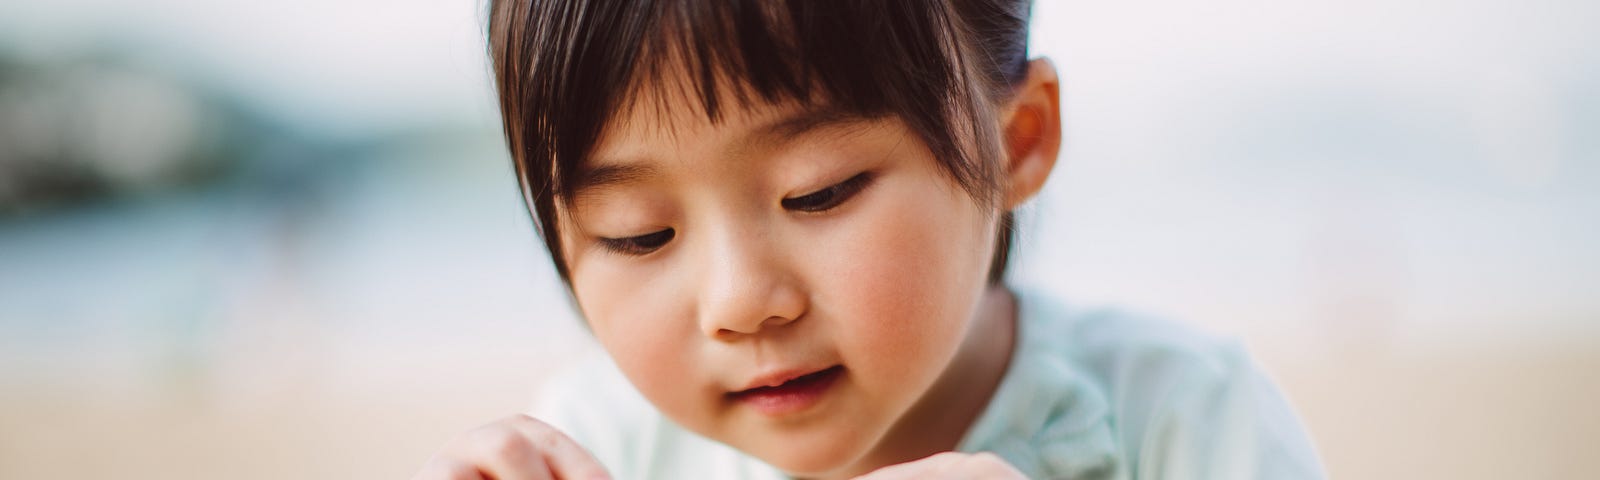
(661, 117)
(668, 114)
(669, 102)
(665, 102)
(665, 121)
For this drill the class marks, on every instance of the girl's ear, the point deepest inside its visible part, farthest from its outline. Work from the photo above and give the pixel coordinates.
(1031, 130)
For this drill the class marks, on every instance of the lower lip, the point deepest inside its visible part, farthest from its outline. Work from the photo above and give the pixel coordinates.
(792, 397)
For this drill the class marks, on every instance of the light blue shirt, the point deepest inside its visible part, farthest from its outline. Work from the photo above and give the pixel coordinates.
(1089, 394)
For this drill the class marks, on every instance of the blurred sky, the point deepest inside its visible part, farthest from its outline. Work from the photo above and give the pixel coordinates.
(1394, 203)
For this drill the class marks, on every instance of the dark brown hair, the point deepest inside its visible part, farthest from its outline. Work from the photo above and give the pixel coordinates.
(565, 68)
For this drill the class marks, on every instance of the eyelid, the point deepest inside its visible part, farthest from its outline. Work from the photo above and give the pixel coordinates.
(632, 245)
(640, 245)
(842, 191)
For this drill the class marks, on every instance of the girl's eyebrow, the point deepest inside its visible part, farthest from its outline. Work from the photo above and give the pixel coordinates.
(597, 176)
(771, 135)
(799, 124)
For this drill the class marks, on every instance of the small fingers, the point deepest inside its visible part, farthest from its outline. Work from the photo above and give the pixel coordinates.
(518, 447)
(985, 465)
(444, 468)
(567, 459)
(922, 468)
(951, 466)
(502, 452)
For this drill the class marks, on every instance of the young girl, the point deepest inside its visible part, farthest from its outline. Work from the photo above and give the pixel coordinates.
(788, 224)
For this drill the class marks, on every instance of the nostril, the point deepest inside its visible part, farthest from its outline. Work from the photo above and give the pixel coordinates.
(750, 305)
(770, 322)
(775, 321)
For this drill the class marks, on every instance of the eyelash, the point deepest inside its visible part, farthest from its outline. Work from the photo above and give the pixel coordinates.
(638, 245)
(828, 198)
(814, 202)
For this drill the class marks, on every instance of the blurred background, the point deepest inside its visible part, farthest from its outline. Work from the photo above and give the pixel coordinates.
(282, 239)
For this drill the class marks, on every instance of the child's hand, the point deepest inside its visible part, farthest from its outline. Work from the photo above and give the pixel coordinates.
(515, 448)
(949, 466)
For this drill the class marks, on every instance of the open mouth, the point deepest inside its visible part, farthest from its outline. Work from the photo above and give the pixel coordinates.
(791, 396)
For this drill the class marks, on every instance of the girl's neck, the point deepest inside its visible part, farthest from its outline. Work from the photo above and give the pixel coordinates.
(939, 421)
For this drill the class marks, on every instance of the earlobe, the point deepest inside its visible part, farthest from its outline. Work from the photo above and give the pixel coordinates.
(1032, 133)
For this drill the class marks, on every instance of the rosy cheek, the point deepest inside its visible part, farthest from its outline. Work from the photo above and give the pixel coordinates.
(642, 333)
(651, 361)
(903, 277)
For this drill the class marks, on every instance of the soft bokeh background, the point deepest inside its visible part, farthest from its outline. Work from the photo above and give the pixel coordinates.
(282, 240)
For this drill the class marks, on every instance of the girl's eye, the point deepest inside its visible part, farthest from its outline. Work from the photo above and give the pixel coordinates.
(639, 245)
(827, 198)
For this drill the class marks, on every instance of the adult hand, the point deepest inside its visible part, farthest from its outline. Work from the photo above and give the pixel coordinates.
(515, 448)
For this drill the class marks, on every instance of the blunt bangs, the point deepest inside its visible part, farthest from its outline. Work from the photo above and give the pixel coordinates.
(565, 69)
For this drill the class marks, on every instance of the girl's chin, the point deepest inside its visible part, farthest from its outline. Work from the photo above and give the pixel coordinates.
(807, 457)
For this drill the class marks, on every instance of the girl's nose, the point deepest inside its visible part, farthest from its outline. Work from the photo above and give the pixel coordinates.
(747, 288)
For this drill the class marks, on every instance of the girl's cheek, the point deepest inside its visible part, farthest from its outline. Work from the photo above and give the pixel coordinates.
(905, 273)
(654, 363)
(638, 315)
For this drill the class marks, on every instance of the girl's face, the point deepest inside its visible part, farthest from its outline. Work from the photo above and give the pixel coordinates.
(829, 259)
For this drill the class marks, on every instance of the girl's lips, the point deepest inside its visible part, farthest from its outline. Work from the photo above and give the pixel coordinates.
(791, 396)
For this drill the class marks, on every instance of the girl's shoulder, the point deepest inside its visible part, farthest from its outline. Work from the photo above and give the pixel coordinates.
(1169, 397)
(1111, 337)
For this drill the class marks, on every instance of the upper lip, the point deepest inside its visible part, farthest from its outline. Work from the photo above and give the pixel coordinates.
(779, 376)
